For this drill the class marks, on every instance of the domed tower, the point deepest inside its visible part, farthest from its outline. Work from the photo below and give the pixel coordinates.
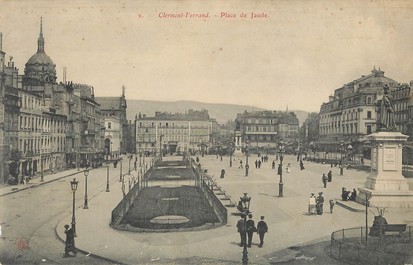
(40, 69)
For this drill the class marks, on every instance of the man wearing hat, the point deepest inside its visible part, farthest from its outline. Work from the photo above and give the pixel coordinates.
(70, 241)
(241, 228)
(250, 229)
(262, 228)
(320, 203)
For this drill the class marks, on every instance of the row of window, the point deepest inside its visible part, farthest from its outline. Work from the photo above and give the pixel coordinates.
(262, 121)
(346, 116)
(37, 123)
(343, 129)
(175, 138)
(402, 106)
(52, 144)
(30, 102)
(402, 93)
(178, 125)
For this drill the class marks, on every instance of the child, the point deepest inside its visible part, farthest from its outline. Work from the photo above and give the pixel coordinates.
(331, 205)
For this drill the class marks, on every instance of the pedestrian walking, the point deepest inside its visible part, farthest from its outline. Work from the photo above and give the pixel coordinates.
(301, 165)
(222, 173)
(70, 241)
(288, 168)
(262, 228)
(241, 228)
(259, 163)
(331, 202)
(256, 163)
(320, 203)
(273, 164)
(330, 176)
(240, 164)
(324, 180)
(250, 229)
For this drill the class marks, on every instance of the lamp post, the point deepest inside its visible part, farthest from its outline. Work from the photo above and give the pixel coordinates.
(107, 180)
(160, 147)
(230, 154)
(86, 172)
(245, 200)
(349, 151)
(41, 169)
(246, 158)
(280, 168)
(341, 157)
(120, 169)
(73, 185)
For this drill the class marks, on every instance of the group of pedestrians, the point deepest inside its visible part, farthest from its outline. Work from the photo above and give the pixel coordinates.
(246, 229)
(327, 178)
(316, 204)
(347, 195)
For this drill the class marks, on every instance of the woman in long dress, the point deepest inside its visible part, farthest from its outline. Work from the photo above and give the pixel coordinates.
(312, 204)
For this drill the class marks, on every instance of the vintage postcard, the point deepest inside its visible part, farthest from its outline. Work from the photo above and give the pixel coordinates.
(206, 132)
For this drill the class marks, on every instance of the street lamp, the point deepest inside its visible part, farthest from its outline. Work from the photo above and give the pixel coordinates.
(73, 185)
(160, 146)
(349, 151)
(230, 154)
(280, 168)
(120, 169)
(86, 172)
(107, 180)
(341, 157)
(41, 169)
(245, 200)
(246, 158)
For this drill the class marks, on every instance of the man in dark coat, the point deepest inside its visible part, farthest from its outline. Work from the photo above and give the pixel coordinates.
(250, 229)
(262, 228)
(320, 203)
(301, 165)
(324, 180)
(330, 176)
(241, 228)
(70, 241)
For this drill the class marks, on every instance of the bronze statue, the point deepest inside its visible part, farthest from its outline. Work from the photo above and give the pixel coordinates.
(386, 119)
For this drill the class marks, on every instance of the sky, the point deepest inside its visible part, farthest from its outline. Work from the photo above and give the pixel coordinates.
(296, 54)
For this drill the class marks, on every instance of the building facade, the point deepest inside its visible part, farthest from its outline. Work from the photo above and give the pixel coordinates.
(174, 133)
(264, 129)
(351, 113)
(47, 126)
(115, 107)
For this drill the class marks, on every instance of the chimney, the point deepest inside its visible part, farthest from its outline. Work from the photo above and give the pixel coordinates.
(64, 75)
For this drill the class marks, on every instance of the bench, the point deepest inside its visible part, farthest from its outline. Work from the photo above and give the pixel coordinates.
(394, 228)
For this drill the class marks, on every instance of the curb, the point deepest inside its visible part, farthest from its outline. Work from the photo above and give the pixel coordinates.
(349, 207)
(41, 183)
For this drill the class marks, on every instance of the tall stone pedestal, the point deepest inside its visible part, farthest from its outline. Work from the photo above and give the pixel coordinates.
(385, 186)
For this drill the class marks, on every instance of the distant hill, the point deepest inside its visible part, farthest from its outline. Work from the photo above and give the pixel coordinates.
(221, 112)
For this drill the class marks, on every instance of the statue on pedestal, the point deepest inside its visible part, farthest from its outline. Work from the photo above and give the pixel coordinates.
(386, 119)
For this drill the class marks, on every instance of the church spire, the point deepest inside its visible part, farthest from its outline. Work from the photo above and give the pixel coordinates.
(40, 41)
